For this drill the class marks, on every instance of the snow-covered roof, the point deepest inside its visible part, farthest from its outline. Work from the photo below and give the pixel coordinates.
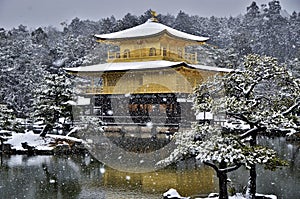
(149, 28)
(146, 65)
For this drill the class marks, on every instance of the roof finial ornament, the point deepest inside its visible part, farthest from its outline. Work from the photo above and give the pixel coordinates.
(154, 15)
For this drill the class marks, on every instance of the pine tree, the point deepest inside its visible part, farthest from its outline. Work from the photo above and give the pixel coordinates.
(6, 117)
(252, 10)
(54, 101)
(183, 23)
(264, 96)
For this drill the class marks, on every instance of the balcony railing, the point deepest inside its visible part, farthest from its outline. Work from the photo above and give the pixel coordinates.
(151, 54)
(133, 89)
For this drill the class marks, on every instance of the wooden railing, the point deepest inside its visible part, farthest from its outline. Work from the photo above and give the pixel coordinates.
(147, 54)
(131, 89)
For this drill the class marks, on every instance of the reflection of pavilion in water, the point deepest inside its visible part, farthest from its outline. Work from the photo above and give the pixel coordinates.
(188, 182)
(148, 80)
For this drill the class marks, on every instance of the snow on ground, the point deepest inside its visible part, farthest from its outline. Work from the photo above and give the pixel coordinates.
(239, 196)
(34, 140)
(172, 193)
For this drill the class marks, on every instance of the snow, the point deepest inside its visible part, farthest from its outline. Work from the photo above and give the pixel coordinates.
(70, 102)
(102, 170)
(184, 100)
(149, 124)
(64, 137)
(32, 139)
(268, 196)
(210, 68)
(110, 112)
(74, 130)
(4, 133)
(241, 125)
(238, 196)
(204, 115)
(149, 28)
(125, 66)
(83, 101)
(172, 193)
(59, 62)
(36, 141)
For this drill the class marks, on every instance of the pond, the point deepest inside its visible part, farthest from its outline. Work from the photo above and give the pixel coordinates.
(284, 182)
(24, 176)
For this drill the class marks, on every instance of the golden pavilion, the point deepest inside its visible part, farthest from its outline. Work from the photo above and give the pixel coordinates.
(148, 79)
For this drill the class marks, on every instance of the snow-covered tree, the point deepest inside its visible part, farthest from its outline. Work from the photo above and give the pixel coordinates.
(128, 21)
(265, 96)
(6, 117)
(147, 15)
(183, 22)
(54, 100)
(167, 20)
(224, 152)
(252, 10)
(294, 67)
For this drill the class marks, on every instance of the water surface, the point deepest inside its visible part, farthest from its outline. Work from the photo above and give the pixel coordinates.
(43, 177)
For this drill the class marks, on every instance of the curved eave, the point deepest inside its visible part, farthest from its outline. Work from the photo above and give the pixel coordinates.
(117, 40)
(101, 68)
(208, 68)
(123, 36)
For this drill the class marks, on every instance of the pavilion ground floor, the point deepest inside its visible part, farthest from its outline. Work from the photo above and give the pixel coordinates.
(149, 110)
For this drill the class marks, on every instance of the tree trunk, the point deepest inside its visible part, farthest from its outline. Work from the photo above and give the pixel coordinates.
(45, 130)
(223, 194)
(251, 189)
(222, 175)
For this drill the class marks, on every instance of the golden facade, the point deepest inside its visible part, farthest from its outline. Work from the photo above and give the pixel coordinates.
(150, 72)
